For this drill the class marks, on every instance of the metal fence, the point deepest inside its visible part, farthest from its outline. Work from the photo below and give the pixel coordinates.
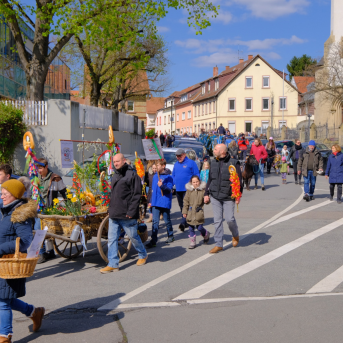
(94, 117)
(35, 112)
(126, 122)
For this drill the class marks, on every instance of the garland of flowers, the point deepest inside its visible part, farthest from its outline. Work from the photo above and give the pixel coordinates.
(139, 166)
(235, 184)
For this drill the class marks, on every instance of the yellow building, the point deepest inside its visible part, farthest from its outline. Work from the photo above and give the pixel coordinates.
(249, 95)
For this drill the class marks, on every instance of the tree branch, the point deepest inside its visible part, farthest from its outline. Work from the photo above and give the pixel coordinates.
(26, 16)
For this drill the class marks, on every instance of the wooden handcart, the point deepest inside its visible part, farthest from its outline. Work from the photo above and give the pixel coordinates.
(93, 225)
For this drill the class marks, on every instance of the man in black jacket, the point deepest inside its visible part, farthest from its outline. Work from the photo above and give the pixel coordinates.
(218, 188)
(124, 211)
(221, 130)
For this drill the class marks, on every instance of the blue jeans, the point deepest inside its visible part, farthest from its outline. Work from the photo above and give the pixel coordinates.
(6, 317)
(261, 172)
(309, 183)
(114, 229)
(156, 211)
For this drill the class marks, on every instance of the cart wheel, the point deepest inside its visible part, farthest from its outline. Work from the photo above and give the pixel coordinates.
(67, 249)
(123, 249)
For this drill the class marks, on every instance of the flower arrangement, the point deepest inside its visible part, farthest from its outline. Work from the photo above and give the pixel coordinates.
(235, 184)
(139, 166)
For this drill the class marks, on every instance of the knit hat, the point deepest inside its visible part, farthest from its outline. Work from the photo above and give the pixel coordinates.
(271, 138)
(15, 187)
(312, 143)
(284, 159)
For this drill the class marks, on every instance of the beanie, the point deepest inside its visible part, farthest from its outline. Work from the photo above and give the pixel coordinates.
(284, 158)
(15, 187)
(312, 143)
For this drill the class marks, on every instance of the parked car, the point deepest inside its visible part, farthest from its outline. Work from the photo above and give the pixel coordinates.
(186, 141)
(280, 144)
(170, 157)
(201, 151)
(251, 142)
(320, 146)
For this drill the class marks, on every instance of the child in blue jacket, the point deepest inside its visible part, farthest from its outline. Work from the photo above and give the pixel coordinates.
(161, 202)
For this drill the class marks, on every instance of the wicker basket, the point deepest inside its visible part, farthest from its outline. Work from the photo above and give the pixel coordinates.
(17, 266)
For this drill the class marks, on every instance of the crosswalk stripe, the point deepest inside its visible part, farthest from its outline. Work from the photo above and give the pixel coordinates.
(223, 279)
(329, 283)
(115, 303)
(298, 213)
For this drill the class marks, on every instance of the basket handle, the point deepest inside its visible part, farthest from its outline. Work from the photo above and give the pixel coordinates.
(17, 245)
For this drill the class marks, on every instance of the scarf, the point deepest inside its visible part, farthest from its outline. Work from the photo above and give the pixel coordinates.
(335, 153)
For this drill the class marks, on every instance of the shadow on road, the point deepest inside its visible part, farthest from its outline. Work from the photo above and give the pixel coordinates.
(79, 318)
(255, 238)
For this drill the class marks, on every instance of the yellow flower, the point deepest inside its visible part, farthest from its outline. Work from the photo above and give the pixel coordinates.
(56, 201)
(82, 196)
(69, 196)
(73, 200)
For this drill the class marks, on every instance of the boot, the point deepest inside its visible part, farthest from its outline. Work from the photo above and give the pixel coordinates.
(149, 220)
(6, 339)
(192, 242)
(37, 317)
(207, 237)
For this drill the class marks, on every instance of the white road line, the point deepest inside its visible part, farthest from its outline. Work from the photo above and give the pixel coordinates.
(280, 297)
(142, 305)
(329, 283)
(298, 213)
(223, 279)
(114, 304)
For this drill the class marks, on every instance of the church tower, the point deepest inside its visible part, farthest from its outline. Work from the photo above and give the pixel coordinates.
(336, 19)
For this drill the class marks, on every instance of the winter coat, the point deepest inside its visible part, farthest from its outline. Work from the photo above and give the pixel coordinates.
(126, 193)
(157, 199)
(270, 150)
(16, 221)
(259, 152)
(233, 152)
(317, 163)
(204, 174)
(283, 168)
(148, 180)
(293, 153)
(219, 184)
(193, 204)
(334, 168)
(243, 144)
(221, 130)
(182, 173)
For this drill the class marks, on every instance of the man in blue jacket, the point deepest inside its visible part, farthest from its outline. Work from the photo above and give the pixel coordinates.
(183, 170)
(161, 202)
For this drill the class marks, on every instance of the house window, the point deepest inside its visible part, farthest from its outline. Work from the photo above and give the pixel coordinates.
(248, 104)
(168, 119)
(209, 126)
(214, 106)
(282, 123)
(265, 104)
(283, 103)
(232, 104)
(183, 115)
(209, 107)
(165, 120)
(206, 108)
(248, 82)
(189, 114)
(216, 84)
(195, 128)
(248, 126)
(184, 98)
(195, 111)
(65, 84)
(209, 86)
(265, 125)
(265, 82)
(177, 117)
(203, 89)
(130, 106)
(203, 109)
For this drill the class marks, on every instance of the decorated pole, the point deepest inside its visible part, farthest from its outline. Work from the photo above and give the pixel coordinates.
(235, 185)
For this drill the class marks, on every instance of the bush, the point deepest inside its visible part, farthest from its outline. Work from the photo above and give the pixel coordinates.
(12, 129)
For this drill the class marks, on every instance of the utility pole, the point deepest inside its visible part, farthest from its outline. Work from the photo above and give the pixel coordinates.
(272, 113)
(283, 98)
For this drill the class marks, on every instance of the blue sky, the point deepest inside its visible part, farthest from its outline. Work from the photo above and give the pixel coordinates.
(275, 29)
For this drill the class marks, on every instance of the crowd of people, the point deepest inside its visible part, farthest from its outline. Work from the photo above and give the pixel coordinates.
(194, 190)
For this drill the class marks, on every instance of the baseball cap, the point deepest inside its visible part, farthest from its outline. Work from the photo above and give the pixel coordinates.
(180, 152)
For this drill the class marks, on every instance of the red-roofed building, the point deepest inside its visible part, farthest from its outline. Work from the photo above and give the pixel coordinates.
(152, 106)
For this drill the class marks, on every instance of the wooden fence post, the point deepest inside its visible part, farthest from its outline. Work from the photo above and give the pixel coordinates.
(283, 132)
(269, 132)
(302, 135)
(313, 131)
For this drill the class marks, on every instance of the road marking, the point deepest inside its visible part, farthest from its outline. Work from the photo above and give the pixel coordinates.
(115, 303)
(141, 305)
(298, 213)
(220, 300)
(223, 279)
(329, 283)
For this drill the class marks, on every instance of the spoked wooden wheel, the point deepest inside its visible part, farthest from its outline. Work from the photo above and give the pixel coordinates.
(67, 249)
(123, 249)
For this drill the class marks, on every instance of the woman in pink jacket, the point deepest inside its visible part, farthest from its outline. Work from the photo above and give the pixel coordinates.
(260, 153)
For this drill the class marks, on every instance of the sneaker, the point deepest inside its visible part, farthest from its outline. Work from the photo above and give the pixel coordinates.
(296, 182)
(192, 243)
(170, 240)
(108, 269)
(306, 197)
(312, 197)
(339, 201)
(182, 227)
(262, 187)
(331, 198)
(207, 237)
(255, 187)
(150, 245)
(43, 258)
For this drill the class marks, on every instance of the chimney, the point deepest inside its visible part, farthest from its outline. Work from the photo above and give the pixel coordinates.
(227, 68)
(250, 57)
(241, 60)
(215, 71)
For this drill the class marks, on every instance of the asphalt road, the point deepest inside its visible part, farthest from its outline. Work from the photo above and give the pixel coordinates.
(283, 283)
